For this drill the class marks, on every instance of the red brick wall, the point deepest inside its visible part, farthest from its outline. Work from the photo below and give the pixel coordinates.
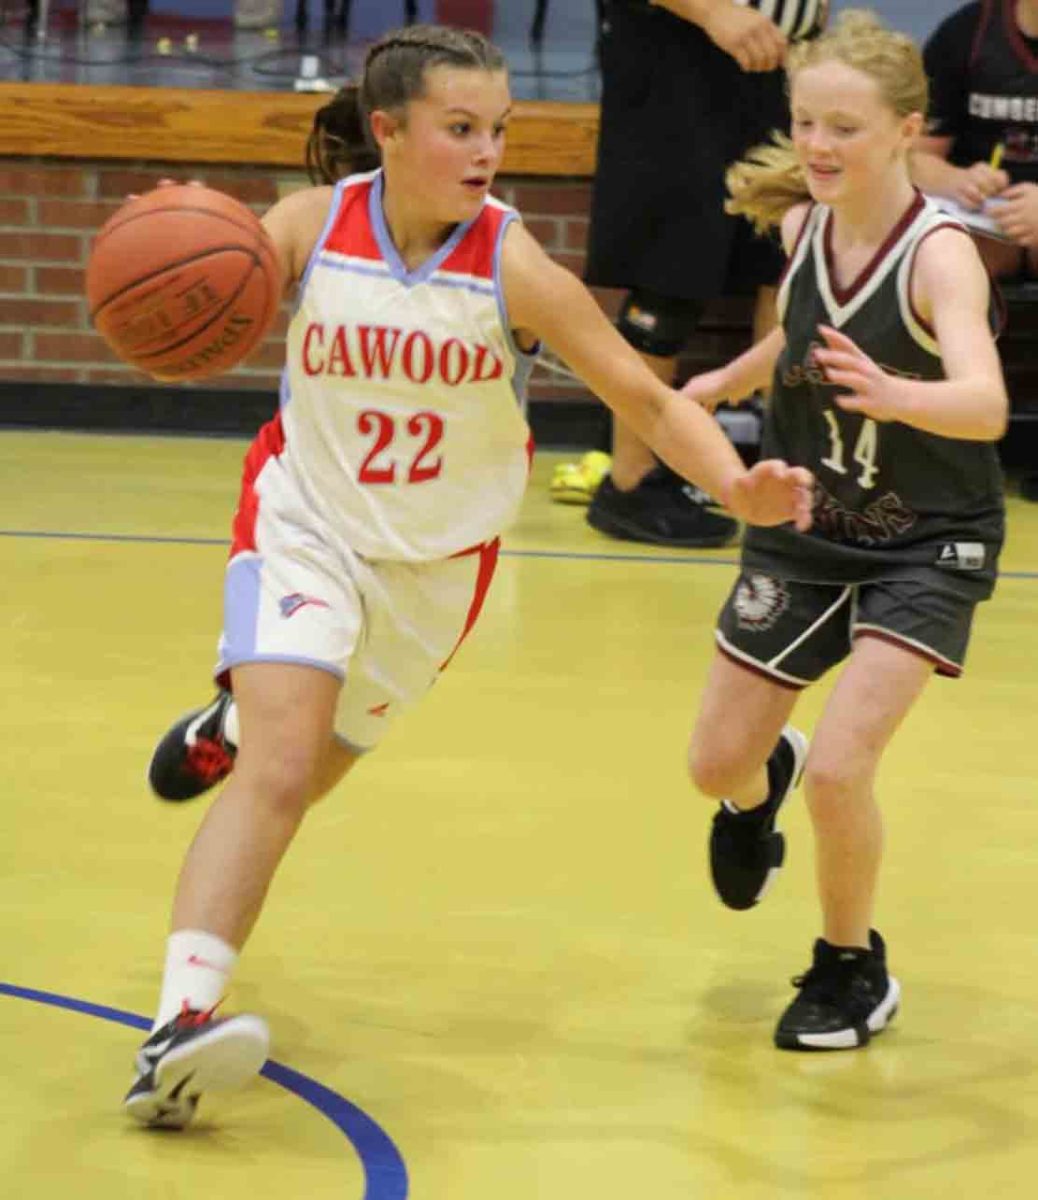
(50, 210)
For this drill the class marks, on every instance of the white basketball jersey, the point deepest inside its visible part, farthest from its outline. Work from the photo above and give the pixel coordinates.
(401, 424)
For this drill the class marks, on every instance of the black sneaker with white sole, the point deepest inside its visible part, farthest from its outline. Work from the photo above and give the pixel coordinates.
(194, 1053)
(847, 996)
(746, 850)
(195, 754)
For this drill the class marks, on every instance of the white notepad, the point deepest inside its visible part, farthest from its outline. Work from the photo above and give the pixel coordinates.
(980, 221)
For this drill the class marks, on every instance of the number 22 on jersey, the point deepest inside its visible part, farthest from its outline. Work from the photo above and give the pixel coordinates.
(865, 450)
(418, 437)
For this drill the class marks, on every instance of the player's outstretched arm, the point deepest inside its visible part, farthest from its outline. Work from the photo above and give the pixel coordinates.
(742, 377)
(551, 303)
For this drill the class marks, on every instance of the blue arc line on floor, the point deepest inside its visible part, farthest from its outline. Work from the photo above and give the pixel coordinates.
(690, 560)
(385, 1175)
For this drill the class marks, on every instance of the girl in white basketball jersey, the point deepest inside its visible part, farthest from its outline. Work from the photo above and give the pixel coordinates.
(366, 534)
(886, 382)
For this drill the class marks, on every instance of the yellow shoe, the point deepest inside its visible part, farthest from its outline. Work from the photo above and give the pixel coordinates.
(576, 483)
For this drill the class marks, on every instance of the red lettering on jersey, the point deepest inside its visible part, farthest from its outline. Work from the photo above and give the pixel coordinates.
(378, 348)
(375, 349)
(426, 355)
(496, 368)
(339, 362)
(316, 332)
(453, 374)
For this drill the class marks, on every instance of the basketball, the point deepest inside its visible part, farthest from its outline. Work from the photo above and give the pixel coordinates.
(183, 282)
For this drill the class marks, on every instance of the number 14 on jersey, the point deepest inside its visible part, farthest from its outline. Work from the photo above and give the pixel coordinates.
(866, 448)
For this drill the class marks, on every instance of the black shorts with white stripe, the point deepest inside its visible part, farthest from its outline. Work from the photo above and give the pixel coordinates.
(793, 631)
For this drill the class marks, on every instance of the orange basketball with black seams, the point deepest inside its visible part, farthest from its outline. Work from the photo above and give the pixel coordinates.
(183, 282)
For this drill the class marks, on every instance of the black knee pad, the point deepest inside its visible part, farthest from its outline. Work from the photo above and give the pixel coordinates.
(658, 325)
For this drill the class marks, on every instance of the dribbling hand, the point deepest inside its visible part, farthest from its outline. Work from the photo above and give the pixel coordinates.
(167, 183)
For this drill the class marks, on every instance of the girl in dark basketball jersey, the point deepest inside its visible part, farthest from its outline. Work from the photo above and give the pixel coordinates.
(886, 383)
(371, 506)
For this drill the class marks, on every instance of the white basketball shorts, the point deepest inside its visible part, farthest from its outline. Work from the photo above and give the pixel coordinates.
(386, 629)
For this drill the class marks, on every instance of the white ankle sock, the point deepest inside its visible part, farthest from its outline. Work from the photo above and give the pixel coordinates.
(198, 969)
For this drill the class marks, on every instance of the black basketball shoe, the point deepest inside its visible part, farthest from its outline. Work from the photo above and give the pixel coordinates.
(194, 1053)
(844, 999)
(195, 754)
(746, 850)
(663, 510)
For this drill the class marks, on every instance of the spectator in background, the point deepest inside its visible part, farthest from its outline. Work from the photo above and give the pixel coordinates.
(981, 149)
(982, 144)
(687, 87)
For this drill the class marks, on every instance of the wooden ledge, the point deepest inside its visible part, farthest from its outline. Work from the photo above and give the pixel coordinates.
(263, 128)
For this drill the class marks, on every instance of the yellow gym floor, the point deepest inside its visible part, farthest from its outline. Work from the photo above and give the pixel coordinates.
(493, 964)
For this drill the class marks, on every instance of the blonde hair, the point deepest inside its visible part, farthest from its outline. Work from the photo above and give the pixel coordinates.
(765, 184)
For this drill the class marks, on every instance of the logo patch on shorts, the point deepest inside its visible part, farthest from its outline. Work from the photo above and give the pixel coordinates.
(291, 604)
(961, 556)
(759, 602)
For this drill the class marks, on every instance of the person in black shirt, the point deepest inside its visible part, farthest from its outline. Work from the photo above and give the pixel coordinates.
(981, 149)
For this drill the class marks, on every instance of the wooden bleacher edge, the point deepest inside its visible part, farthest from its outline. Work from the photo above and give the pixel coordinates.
(262, 128)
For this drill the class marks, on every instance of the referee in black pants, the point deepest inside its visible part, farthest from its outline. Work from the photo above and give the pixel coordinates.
(688, 86)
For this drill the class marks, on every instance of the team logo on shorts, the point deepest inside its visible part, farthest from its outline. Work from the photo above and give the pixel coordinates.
(759, 602)
(291, 604)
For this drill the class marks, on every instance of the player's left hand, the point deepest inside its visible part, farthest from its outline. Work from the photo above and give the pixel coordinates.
(707, 389)
(1017, 213)
(871, 390)
(772, 492)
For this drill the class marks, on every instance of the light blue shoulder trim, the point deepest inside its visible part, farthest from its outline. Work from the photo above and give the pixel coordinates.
(391, 255)
(525, 360)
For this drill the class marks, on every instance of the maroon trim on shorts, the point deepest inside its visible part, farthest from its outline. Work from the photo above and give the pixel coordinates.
(942, 666)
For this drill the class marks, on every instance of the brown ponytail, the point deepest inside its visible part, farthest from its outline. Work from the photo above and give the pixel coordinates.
(339, 143)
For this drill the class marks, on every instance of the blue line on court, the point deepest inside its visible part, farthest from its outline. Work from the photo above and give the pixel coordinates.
(688, 560)
(385, 1176)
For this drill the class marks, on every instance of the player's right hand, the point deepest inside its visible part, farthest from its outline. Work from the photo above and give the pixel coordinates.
(755, 42)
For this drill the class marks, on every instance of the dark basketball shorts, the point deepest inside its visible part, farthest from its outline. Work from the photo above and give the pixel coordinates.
(793, 631)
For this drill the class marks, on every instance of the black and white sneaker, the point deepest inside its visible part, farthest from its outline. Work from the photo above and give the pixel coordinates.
(195, 754)
(746, 850)
(844, 999)
(194, 1053)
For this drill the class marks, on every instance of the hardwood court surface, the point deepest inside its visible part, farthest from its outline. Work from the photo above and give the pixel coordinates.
(493, 963)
